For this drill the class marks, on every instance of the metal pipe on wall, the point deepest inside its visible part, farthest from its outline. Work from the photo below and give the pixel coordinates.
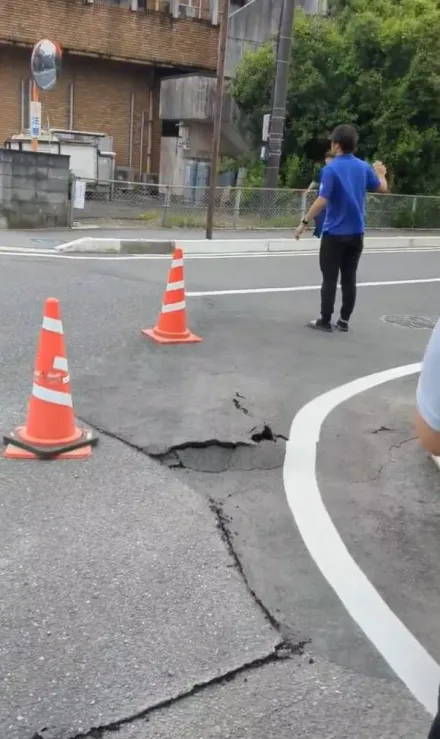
(214, 12)
(22, 105)
(150, 131)
(130, 139)
(71, 104)
(141, 144)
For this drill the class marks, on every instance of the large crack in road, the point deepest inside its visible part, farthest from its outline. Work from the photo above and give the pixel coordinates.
(265, 450)
(279, 653)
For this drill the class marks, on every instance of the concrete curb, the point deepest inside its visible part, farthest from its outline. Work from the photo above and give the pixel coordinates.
(90, 245)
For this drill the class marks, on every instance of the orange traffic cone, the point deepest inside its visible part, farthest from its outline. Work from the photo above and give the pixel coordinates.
(50, 429)
(171, 327)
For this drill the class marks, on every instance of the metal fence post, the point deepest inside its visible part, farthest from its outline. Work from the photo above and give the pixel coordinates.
(237, 206)
(71, 215)
(166, 206)
(303, 203)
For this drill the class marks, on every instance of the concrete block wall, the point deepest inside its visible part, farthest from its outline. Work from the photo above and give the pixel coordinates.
(34, 189)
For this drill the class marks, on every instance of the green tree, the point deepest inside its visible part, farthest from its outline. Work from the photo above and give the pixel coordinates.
(376, 65)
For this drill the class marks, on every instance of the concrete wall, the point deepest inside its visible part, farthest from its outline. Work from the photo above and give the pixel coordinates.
(255, 23)
(34, 189)
(191, 98)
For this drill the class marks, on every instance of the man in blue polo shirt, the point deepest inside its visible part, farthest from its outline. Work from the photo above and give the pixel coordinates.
(342, 192)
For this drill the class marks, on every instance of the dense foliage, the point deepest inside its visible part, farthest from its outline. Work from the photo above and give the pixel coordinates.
(375, 64)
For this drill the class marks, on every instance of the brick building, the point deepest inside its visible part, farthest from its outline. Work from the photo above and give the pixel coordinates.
(115, 54)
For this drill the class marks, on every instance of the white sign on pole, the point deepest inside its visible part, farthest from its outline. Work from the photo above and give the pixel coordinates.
(266, 124)
(35, 116)
(79, 199)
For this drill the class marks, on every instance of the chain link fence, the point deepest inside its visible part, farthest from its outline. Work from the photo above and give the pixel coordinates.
(163, 206)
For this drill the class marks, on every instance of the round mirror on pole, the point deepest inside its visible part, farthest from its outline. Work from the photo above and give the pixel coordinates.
(45, 70)
(46, 64)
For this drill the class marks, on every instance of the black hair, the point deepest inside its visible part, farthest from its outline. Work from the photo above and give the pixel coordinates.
(346, 137)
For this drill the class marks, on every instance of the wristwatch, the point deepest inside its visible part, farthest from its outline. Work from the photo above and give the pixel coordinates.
(305, 222)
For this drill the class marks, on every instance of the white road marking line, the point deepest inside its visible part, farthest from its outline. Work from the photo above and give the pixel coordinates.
(399, 648)
(24, 250)
(305, 288)
(51, 254)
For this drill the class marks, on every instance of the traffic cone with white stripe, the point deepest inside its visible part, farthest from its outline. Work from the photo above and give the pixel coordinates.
(50, 431)
(171, 327)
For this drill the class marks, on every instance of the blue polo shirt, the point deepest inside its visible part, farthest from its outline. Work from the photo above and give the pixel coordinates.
(428, 390)
(345, 182)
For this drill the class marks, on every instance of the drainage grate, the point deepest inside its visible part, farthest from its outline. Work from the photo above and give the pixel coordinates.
(410, 321)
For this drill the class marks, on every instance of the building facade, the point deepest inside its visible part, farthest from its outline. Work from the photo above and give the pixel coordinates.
(187, 102)
(115, 55)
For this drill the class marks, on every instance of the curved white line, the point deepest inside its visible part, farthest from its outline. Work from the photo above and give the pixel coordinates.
(403, 653)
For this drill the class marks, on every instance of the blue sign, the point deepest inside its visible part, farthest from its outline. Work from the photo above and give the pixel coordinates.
(35, 126)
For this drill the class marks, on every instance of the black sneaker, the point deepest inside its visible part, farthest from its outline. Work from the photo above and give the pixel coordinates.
(319, 325)
(341, 325)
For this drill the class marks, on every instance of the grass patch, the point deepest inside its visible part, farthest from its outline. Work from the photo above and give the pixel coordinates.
(175, 218)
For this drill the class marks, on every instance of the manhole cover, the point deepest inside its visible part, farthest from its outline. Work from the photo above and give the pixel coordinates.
(410, 321)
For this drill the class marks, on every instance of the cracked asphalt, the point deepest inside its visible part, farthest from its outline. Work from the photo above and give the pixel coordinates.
(161, 589)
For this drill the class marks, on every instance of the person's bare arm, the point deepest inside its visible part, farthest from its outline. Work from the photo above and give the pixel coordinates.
(315, 209)
(428, 438)
(427, 418)
(381, 173)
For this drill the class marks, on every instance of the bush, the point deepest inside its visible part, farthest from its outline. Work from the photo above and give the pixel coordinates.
(425, 214)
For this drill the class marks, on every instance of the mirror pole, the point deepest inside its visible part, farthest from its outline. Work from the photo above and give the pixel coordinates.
(34, 100)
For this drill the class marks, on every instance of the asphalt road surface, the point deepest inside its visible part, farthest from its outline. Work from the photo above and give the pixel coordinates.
(170, 587)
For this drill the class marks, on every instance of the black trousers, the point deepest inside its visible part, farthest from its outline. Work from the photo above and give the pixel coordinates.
(435, 728)
(339, 254)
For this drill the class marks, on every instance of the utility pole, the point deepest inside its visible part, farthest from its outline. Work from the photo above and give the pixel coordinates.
(276, 131)
(218, 109)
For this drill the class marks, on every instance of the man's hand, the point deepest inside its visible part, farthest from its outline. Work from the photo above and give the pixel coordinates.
(299, 231)
(380, 169)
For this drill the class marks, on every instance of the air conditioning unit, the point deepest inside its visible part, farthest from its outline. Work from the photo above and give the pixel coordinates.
(124, 177)
(89, 2)
(187, 11)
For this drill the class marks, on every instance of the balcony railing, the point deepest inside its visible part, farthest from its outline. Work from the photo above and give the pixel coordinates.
(206, 10)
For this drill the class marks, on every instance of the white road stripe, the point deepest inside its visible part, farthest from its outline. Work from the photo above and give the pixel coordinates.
(53, 324)
(304, 288)
(400, 649)
(51, 396)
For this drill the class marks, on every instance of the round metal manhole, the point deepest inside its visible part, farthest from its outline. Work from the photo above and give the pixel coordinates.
(410, 321)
